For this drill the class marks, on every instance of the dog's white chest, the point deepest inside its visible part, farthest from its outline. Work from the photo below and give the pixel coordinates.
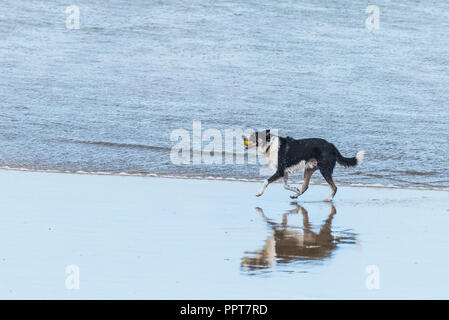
(297, 167)
(272, 156)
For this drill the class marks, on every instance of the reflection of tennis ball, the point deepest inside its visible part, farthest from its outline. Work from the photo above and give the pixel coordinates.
(246, 142)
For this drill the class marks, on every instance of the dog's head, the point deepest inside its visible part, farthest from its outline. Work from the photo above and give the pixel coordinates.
(259, 139)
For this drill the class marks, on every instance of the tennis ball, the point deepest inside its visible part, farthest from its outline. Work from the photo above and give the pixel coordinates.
(246, 142)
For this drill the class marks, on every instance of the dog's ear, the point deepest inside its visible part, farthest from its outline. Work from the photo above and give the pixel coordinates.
(267, 135)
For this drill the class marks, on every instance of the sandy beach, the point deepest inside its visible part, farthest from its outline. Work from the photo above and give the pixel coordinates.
(157, 238)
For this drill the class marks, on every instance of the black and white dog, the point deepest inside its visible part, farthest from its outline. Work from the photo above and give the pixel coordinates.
(288, 155)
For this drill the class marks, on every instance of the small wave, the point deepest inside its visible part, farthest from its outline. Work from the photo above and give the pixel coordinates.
(419, 173)
(147, 147)
(121, 145)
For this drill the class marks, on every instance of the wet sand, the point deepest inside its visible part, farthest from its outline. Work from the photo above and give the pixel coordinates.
(158, 238)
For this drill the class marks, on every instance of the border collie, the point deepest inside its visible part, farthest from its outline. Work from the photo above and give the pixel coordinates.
(288, 155)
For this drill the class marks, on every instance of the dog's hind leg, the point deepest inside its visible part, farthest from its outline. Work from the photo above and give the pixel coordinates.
(326, 166)
(308, 172)
(331, 183)
(288, 187)
(307, 175)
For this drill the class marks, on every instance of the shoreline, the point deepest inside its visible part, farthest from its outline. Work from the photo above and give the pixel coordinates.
(199, 239)
(211, 178)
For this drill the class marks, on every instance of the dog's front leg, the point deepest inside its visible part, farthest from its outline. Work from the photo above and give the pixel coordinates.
(262, 189)
(279, 174)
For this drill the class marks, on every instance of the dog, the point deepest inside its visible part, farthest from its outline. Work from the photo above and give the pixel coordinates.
(288, 155)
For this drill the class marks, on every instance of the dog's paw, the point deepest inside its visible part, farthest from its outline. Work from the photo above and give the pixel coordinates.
(295, 196)
(258, 194)
(330, 199)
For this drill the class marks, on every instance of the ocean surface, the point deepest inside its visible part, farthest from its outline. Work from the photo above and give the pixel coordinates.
(106, 97)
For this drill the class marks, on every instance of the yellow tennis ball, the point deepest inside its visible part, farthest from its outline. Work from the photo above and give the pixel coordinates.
(246, 142)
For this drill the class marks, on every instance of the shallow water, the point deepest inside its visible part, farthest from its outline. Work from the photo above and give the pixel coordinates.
(136, 238)
(106, 97)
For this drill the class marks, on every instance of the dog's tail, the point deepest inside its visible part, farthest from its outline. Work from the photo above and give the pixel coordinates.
(349, 162)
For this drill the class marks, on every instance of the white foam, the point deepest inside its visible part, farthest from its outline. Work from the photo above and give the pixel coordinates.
(155, 175)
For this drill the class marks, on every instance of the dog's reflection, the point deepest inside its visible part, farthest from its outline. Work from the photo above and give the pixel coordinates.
(290, 244)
